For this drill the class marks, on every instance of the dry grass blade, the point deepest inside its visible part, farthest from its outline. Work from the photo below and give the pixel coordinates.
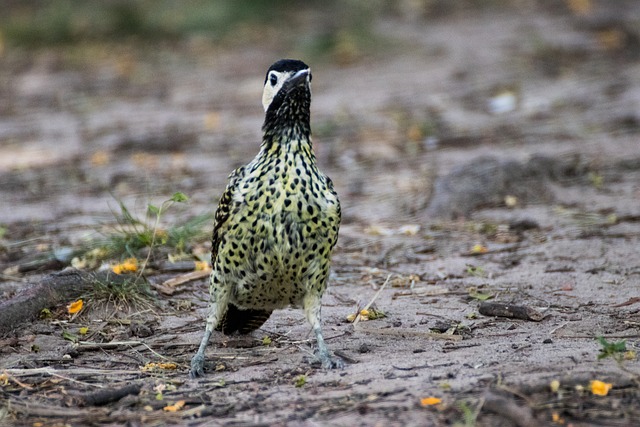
(88, 345)
(366, 307)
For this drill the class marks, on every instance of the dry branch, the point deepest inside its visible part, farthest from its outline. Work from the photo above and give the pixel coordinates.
(103, 397)
(521, 416)
(53, 290)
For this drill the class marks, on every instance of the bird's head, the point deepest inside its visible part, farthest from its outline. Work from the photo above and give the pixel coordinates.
(285, 78)
(287, 96)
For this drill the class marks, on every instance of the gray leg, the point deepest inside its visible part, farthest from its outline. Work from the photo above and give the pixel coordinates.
(197, 363)
(312, 311)
(218, 305)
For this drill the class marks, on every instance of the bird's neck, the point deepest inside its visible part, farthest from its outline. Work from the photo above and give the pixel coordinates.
(287, 129)
(295, 139)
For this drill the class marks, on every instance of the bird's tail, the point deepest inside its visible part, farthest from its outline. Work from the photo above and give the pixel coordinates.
(243, 321)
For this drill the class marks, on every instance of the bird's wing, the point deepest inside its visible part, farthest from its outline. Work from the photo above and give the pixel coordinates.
(338, 216)
(223, 212)
(234, 319)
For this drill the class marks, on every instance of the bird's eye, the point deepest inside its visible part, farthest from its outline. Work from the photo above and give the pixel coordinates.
(273, 79)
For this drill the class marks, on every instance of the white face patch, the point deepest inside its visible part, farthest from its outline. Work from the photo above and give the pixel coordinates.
(275, 81)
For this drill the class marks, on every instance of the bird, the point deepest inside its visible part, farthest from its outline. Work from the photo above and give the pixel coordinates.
(276, 224)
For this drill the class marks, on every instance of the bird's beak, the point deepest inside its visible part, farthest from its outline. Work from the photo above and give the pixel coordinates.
(299, 78)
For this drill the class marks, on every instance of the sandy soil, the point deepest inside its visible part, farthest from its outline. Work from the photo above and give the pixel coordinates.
(80, 127)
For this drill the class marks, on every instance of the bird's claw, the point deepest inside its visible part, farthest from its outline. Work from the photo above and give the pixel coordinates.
(329, 362)
(197, 366)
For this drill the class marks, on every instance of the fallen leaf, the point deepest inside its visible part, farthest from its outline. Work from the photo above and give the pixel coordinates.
(430, 401)
(409, 229)
(554, 386)
(555, 417)
(480, 296)
(127, 266)
(153, 366)
(212, 120)
(202, 266)
(300, 380)
(479, 249)
(567, 287)
(600, 388)
(100, 158)
(511, 201)
(175, 407)
(75, 306)
(610, 39)
(69, 336)
(580, 7)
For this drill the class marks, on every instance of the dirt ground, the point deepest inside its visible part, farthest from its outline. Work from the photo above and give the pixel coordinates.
(482, 154)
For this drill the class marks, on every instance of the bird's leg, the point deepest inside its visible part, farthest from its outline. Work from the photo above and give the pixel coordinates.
(312, 308)
(218, 304)
(197, 362)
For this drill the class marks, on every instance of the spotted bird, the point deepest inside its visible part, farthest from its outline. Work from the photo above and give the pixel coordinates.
(276, 224)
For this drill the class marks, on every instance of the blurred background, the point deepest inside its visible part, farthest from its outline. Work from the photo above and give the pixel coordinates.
(113, 100)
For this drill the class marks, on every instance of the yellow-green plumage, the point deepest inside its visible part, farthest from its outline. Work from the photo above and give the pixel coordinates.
(276, 224)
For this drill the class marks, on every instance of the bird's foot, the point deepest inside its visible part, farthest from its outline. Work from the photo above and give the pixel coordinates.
(327, 361)
(197, 366)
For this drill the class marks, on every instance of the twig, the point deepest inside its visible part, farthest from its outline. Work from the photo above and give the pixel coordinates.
(411, 332)
(20, 383)
(423, 291)
(554, 330)
(40, 410)
(357, 319)
(607, 337)
(25, 372)
(88, 345)
(14, 278)
(185, 278)
(509, 310)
